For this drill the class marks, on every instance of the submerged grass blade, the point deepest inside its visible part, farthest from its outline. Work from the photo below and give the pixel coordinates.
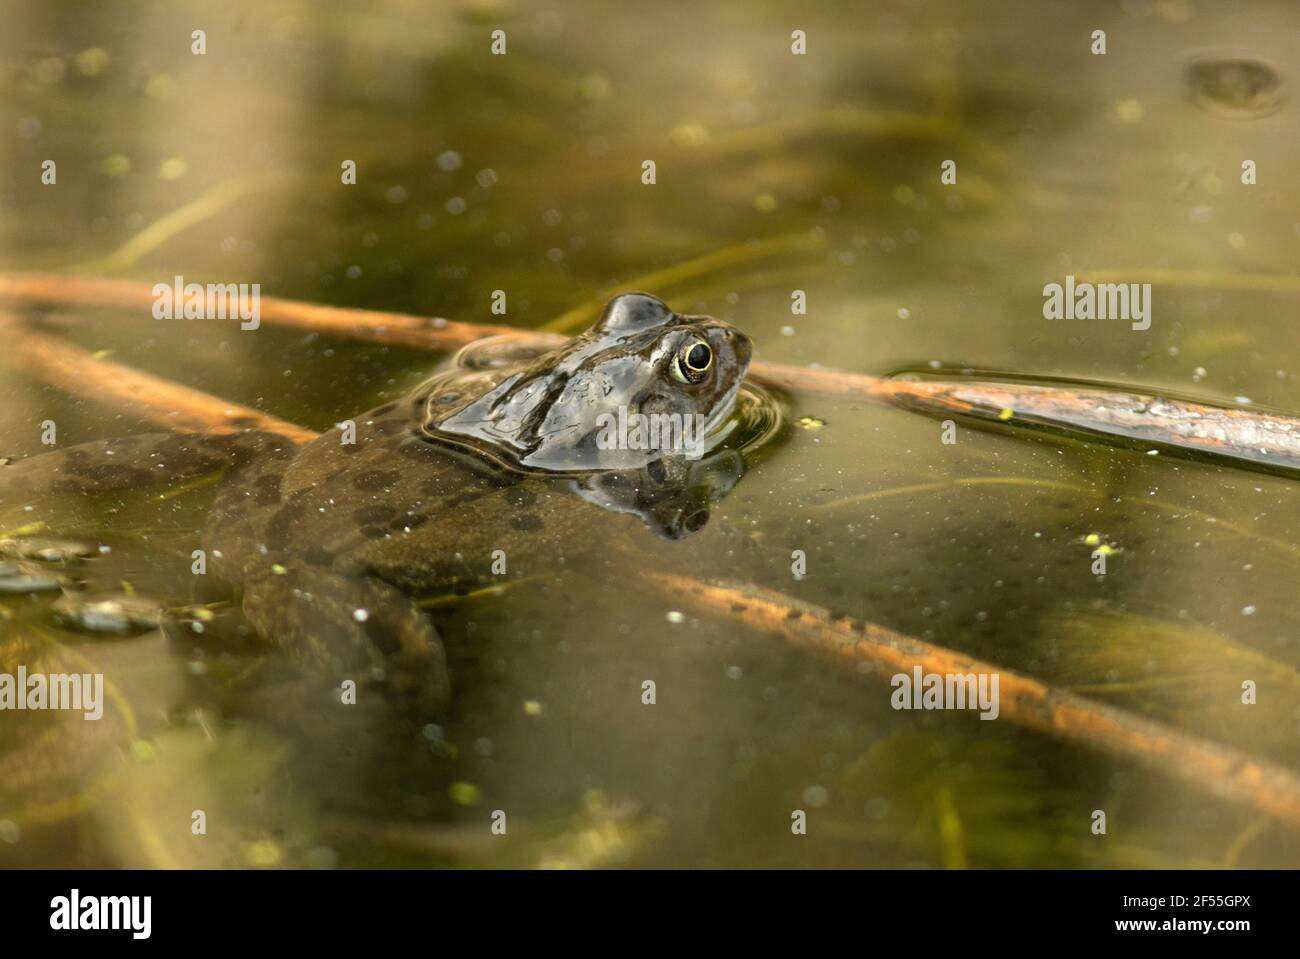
(183, 218)
(585, 313)
(1197, 279)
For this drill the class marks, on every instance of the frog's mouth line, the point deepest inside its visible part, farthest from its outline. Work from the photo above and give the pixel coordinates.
(713, 431)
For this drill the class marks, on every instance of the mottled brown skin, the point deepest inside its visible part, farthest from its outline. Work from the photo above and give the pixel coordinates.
(330, 541)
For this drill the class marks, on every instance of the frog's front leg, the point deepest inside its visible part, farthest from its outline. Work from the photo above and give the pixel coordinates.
(351, 627)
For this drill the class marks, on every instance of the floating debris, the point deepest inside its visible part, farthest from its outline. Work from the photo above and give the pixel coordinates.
(811, 422)
(46, 549)
(1094, 541)
(465, 794)
(108, 614)
(29, 578)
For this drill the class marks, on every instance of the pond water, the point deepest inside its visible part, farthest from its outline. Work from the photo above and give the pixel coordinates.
(774, 172)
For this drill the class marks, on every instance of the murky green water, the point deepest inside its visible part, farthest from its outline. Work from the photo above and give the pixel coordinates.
(774, 173)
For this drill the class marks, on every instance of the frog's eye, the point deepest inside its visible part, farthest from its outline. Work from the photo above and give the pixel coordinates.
(693, 361)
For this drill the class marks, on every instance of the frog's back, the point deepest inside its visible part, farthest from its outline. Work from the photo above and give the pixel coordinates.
(386, 501)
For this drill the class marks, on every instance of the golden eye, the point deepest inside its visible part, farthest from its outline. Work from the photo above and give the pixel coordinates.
(693, 361)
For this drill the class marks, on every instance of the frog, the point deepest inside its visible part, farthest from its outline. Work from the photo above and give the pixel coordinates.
(502, 455)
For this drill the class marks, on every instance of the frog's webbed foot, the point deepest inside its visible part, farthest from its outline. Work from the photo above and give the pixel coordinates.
(354, 628)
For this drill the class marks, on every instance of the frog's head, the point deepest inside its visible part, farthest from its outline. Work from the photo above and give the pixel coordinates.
(644, 384)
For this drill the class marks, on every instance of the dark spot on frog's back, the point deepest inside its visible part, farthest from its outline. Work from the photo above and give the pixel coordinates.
(315, 556)
(279, 532)
(375, 481)
(527, 522)
(370, 515)
(410, 522)
(266, 489)
(521, 497)
(385, 409)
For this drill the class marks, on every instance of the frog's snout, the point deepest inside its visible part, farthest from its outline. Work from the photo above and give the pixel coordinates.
(735, 345)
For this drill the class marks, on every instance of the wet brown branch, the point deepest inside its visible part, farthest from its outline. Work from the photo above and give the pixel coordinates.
(1025, 701)
(1260, 437)
(1268, 438)
(400, 329)
(175, 407)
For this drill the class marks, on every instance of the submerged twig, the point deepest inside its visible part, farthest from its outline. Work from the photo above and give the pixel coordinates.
(1271, 439)
(176, 407)
(400, 329)
(1025, 701)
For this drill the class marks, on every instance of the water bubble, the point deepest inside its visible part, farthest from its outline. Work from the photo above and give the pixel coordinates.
(816, 796)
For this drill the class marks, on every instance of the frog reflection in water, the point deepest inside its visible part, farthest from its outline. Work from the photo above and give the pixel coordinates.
(330, 541)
